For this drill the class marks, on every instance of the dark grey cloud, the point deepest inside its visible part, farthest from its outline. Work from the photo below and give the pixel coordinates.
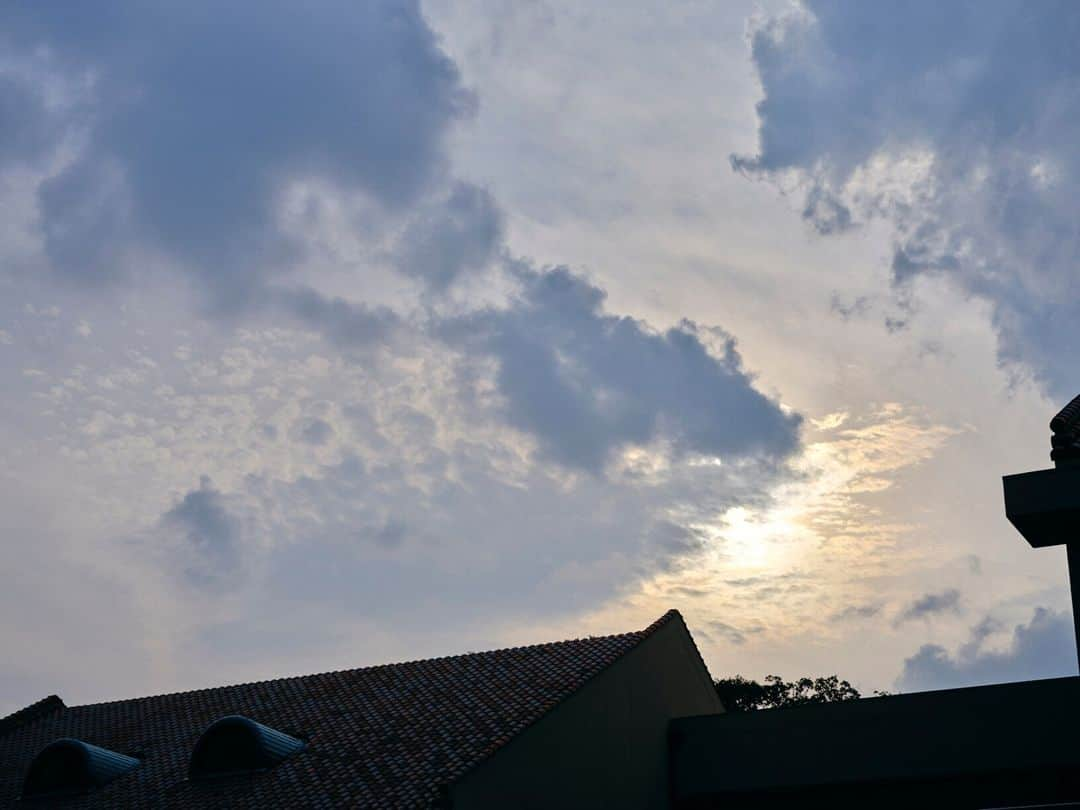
(210, 536)
(316, 432)
(202, 516)
(86, 220)
(24, 119)
(344, 323)
(727, 632)
(1042, 648)
(392, 533)
(826, 212)
(852, 612)
(675, 541)
(201, 113)
(954, 122)
(931, 604)
(857, 307)
(586, 383)
(460, 233)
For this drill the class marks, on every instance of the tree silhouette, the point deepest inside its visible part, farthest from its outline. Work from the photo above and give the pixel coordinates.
(739, 694)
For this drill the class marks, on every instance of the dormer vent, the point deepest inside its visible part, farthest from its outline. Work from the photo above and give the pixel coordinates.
(237, 744)
(73, 766)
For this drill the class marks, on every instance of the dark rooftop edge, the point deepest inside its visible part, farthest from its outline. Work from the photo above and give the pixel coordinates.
(53, 703)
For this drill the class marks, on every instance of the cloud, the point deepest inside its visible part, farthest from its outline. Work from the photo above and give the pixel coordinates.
(23, 119)
(357, 351)
(421, 507)
(932, 604)
(211, 535)
(956, 125)
(453, 527)
(857, 612)
(317, 432)
(195, 118)
(725, 631)
(460, 233)
(586, 383)
(177, 152)
(392, 533)
(1043, 648)
(849, 309)
(344, 323)
(202, 516)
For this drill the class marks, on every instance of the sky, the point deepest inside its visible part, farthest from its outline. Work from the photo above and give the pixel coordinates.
(366, 332)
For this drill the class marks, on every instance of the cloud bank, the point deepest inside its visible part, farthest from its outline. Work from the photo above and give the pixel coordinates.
(954, 124)
(587, 383)
(1043, 648)
(194, 123)
(194, 118)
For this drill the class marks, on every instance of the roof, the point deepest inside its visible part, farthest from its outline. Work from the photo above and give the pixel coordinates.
(916, 736)
(385, 736)
(43, 707)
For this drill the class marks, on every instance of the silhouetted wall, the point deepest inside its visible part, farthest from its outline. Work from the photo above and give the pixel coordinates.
(605, 746)
(978, 747)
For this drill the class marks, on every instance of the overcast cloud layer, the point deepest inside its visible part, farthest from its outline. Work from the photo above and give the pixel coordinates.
(379, 331)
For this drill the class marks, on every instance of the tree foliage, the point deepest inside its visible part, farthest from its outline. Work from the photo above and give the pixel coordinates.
(739, 694)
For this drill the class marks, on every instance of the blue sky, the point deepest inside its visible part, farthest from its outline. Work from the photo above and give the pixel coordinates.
(352, 333)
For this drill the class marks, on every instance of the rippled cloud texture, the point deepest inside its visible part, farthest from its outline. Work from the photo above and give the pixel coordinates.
(347, 333)
(287, 391)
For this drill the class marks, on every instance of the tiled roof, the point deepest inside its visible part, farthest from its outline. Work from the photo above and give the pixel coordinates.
(27, 714)
(384, 736)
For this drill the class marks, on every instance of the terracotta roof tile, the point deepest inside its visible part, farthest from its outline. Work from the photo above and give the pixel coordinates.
(386, 736)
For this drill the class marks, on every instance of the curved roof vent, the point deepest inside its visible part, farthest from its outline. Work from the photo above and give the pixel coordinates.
(235, 744)
(70, 766)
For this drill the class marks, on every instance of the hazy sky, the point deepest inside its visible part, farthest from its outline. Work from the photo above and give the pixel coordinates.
(341, 333)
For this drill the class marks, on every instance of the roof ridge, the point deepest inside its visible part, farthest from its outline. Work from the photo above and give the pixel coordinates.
(439, 658)
(668, 616)
(28, 714)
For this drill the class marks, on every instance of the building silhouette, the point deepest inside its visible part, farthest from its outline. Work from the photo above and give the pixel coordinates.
(579, 723)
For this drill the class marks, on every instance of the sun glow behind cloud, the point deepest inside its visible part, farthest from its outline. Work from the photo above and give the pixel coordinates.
(769, 576)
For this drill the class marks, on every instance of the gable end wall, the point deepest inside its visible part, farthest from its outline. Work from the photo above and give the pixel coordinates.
(605, 745)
